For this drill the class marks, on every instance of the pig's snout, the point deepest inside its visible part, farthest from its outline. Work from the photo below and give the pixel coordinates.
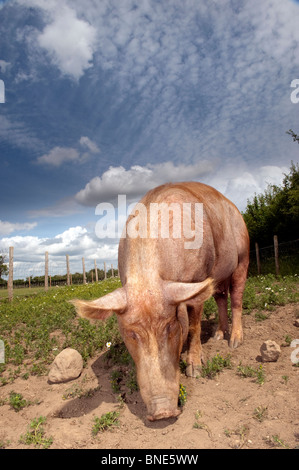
(162, 408)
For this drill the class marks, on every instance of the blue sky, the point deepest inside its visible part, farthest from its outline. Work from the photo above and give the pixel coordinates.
(117, 96)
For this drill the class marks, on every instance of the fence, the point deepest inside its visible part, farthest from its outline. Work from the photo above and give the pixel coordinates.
(45, 273)
(279, 258)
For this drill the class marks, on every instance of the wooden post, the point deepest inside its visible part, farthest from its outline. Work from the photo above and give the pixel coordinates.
(50, 279)
(29, 282)
(46, 270)
(276, 255)
(10, 275)
(67, 270)
(96, 270)
(84, 275)
(71, 279)
(105, 273)
(112, 272)
(258, 262)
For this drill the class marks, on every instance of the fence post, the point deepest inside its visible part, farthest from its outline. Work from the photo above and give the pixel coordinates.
(67, 270)
(10, 275)
(46, 270)
(105, 273)
(258, 262)
(276, 255)
(112, 271)
(29, 282)
(96, 270)
(84, 275)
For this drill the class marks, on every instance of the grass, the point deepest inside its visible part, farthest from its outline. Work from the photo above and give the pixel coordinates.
(215, 365)
(262, 293)
(23, 291)
(17, 402)
(35, 328)
(248, 371)
(37, 325)
(36, 434)
(106, 421)
(260, 413)
(200, 424)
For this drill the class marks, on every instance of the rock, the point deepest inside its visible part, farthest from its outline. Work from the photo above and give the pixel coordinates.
(270, 351)
(296, 322)
(67, 365)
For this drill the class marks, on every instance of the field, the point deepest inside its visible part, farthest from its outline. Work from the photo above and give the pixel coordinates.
(236, 402)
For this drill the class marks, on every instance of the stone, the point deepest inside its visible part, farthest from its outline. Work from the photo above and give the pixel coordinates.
(67, 365)
(296, 323)
(270, 351)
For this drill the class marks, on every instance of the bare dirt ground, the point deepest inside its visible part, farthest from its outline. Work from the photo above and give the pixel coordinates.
(222, 409)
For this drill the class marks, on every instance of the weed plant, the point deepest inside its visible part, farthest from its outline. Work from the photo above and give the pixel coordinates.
(106, 421)
(36, 434)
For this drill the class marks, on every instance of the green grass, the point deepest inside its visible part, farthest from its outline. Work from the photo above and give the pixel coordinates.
(36, 326)
(248, 371)
(23, 291)
(215, 365)
(105, 422)
(36, 434)
(262, 293)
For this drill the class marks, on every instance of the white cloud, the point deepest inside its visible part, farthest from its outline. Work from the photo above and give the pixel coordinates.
(9, 227)
(59, 155)
(17, 134)
(137, 180)
(92, 146)
(77, 242)
(239, 183)
(69, 40)
(4, 65)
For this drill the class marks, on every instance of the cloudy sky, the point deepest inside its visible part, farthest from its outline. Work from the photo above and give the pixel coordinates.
(117, 96)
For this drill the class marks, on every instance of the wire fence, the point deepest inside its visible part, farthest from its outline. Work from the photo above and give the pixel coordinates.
(53, 271)
(284, 261)
(279, 258)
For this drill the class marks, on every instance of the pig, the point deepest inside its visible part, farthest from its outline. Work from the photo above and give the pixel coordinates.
(165, 283)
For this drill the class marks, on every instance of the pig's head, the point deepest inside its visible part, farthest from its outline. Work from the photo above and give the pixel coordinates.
(154, 325)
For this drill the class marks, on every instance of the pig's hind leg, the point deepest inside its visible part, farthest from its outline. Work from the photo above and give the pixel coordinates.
(194, 348)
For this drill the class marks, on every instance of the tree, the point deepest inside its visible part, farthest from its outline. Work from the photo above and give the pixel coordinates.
(275, 212)
(294, 136)
(3, 266)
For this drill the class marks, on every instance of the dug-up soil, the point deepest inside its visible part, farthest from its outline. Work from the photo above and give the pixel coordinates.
(228, 411)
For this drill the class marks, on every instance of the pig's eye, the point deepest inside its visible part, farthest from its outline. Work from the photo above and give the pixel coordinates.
(171, 327)
(132, 335)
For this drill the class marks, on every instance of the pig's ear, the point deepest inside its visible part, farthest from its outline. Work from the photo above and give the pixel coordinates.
(177, 292)
(103, 307)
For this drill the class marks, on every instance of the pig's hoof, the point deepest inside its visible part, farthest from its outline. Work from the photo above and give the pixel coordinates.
(193, 370)
(235, 341)
(218, 335)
